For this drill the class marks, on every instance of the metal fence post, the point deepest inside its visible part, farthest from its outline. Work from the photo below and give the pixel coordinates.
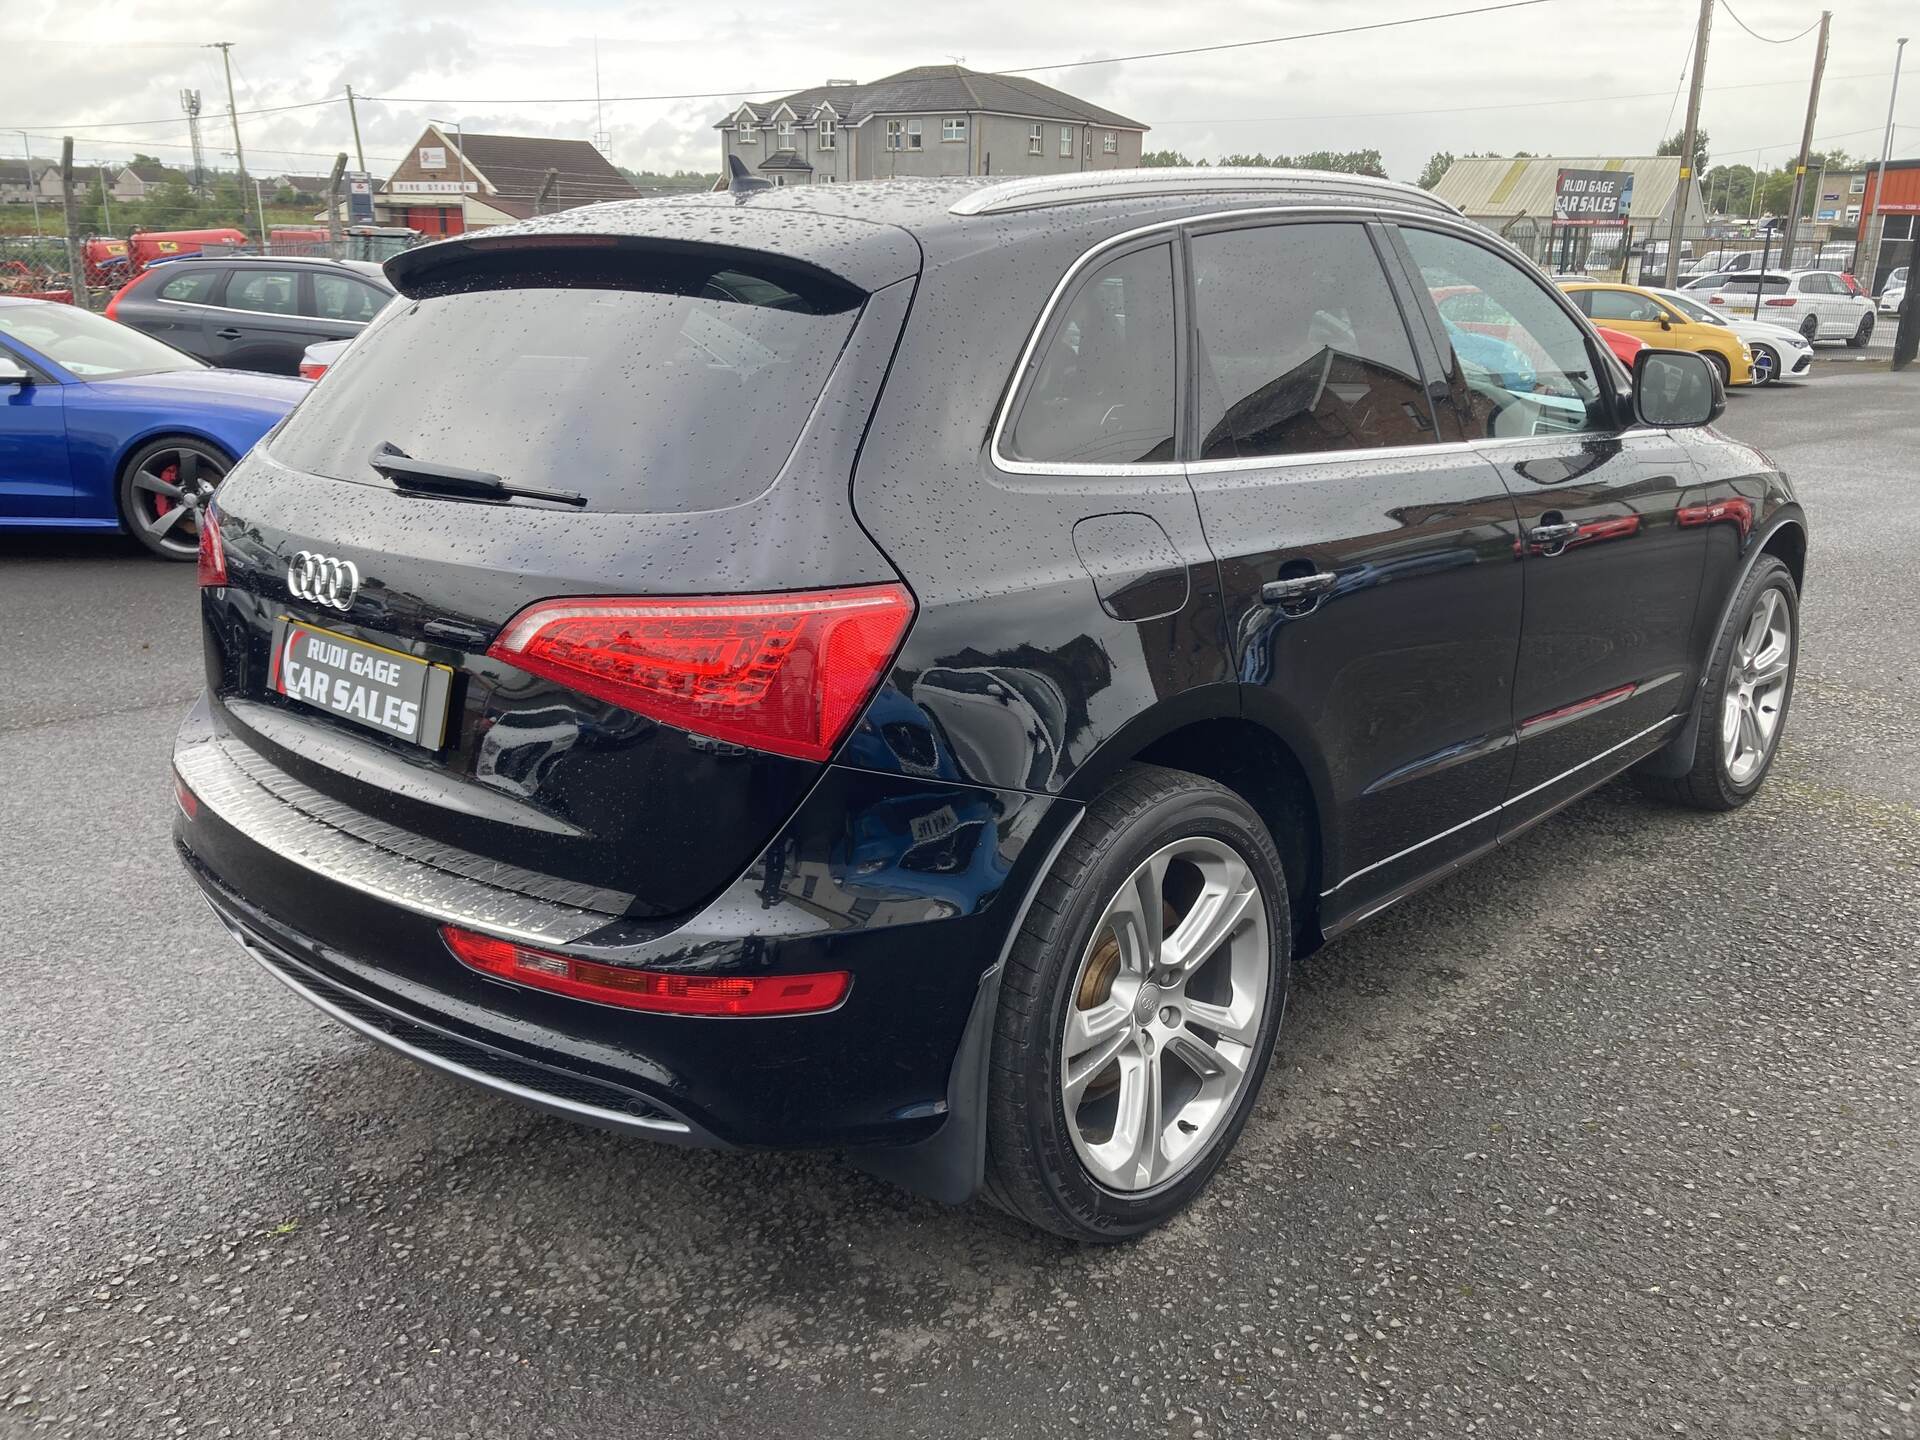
(1906, 339)
(76, 263)
(333, 206)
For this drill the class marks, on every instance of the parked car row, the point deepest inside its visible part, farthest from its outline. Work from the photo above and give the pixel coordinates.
(1744, 352)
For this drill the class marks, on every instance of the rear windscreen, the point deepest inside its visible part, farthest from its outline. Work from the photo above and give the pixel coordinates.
(682, 390)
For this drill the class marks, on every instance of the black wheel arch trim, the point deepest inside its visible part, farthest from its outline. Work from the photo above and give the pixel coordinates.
(1675, 758)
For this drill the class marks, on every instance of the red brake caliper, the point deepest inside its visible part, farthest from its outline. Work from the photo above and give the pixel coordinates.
(161, 504)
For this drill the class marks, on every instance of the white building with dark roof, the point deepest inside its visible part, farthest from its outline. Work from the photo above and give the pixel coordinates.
(932, 120)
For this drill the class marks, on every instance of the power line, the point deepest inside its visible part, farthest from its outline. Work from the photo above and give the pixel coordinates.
(1679, 85)
(1009, 70)
(1768, 39)
(175, 119)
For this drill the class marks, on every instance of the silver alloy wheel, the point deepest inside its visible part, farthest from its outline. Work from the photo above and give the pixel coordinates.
(1756, 688)
(1164, 1013)
(169, 490)
(1766, 365)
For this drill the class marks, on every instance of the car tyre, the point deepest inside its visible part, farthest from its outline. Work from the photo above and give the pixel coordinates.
(1861, 336)
(1742, 716)
(162, 488)
(1721, 368)
(1810, 329)
(1047, 1163)
(1766, 363)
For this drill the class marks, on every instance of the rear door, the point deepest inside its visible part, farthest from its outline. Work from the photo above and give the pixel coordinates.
(1613, 573)
(261, 326)
(340, 305)
(1370, 570)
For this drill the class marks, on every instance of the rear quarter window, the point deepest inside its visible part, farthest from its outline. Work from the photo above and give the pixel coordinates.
(192, 287)
(682, 386)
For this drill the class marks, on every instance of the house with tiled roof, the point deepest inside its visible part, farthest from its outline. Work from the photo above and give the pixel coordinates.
(452, 180)
(931, 120)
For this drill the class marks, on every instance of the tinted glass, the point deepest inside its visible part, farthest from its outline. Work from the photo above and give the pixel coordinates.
(1519, 364)
(89, 346)
(1302, 349)
(275, 292)
(194, 287)
(1604, 305)
(338, 297)
(1772, 285)
(687, 397)
(1103, 393)
(1694, 310)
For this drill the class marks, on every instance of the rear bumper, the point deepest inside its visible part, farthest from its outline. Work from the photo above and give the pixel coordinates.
(911, 886)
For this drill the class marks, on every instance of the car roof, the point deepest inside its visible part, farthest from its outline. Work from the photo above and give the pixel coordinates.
(876, 231)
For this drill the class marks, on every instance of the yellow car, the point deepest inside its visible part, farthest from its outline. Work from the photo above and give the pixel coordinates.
(1645, 316)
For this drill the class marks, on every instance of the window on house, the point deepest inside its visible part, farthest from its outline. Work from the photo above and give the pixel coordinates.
(827, 132)
(913, 134)
(1066, 142)
(895, 129)
(1857, 184)
(1110, 142)
(952, 129)
(1033, 139)
(786, 134)
(745, 131)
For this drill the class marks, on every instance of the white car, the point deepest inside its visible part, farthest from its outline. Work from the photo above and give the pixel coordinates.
(1725, 260)
(1894, 296)
(1817, 303)
(319, 356)
(1778, 353)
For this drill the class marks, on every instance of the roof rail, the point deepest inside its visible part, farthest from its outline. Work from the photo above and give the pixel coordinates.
(1037, 191)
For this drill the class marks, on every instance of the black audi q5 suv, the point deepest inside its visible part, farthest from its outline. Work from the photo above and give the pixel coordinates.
(906, 667)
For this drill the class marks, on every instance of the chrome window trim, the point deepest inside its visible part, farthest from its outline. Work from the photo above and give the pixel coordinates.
(1504, 804)
(265, 314)
(1360, 214)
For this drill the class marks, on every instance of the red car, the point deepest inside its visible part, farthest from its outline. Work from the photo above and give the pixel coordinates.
(1623, 345)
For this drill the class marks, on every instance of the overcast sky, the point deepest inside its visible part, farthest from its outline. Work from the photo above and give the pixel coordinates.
(1567, 77)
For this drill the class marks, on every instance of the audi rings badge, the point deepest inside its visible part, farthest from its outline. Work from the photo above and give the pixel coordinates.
(323, 580)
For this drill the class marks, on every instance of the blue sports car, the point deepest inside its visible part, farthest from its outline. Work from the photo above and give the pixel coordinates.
(102, 427)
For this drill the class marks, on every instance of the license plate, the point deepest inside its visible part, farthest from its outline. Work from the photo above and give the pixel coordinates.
(370, 685)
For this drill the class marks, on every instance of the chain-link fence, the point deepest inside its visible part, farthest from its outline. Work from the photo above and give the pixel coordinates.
(1639, 255)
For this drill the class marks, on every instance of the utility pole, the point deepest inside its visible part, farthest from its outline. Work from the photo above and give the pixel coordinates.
(106, 210)
(1806, 143)
(333, 205)
(225, 47)
(76, 269)
(1880, 182)
(1689, 141)
(33, 183)
(353, 114)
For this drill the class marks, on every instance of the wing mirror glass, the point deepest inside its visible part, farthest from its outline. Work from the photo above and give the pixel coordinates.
(1676, 388)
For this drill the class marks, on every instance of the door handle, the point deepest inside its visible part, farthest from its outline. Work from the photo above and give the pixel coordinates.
(1297, 594)
(228, 334)
(1552, 538)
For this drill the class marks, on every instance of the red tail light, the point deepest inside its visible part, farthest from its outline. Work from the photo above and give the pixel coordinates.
(1784, 300)
(309, 370)
(784, 673)
(213, 554)
(189, 802)
(654, 990)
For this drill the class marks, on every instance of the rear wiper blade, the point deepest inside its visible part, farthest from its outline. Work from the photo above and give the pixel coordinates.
(407, 473)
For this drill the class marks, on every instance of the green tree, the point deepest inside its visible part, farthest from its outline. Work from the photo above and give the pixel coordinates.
(1673, 143)
(1156, 158)
(1437, 165)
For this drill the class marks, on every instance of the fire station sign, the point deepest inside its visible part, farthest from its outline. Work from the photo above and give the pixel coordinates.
(1593, 197)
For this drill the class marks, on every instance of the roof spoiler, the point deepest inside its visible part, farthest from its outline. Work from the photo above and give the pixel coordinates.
(742, 181)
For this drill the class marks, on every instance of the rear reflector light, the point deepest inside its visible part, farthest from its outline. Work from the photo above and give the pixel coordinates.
(189, 802)
(783, 673)
(213, 554)
(1789, 300)
(653, 990)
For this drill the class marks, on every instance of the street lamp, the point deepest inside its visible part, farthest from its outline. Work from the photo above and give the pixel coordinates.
(460, 148)
(1880, 183)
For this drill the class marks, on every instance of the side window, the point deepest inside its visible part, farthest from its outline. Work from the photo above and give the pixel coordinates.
(1103, 391)
(1621, 305)
(191, 287)
(1582, 300)
(1520, 363)
(1301, 347)
(341, 297)
(272, 291)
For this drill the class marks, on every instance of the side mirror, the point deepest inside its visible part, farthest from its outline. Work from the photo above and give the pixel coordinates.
(12, 372)
(1665, 323)
(1675, 389)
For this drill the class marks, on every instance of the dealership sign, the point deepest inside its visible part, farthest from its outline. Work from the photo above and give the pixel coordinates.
(1593, 197)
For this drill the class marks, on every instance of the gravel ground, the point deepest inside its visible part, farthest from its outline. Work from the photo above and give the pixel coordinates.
(1612, 1135)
